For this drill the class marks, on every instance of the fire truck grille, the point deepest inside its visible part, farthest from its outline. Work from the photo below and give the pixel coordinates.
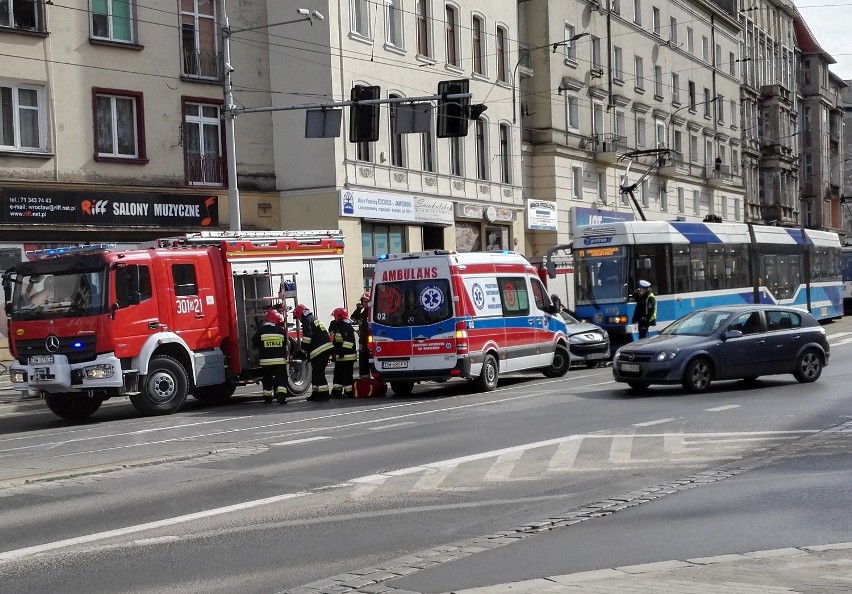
(77, 349)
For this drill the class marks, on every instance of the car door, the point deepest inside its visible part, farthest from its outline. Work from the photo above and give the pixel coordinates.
(784, 339)
(746, 355)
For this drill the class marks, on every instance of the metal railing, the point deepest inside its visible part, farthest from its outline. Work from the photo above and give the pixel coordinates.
(205, 170)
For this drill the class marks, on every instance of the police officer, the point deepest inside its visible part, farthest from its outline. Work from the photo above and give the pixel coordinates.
(271, 341)
(318, 345)
(645, 314)
(343, 335)
(361, 316)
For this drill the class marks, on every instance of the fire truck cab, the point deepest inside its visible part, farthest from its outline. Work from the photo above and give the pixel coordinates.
(90, 323)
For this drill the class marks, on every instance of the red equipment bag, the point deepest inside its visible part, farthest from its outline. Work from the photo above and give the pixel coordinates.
(366, 387)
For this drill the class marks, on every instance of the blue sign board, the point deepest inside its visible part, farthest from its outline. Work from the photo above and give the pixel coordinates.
(597, 216)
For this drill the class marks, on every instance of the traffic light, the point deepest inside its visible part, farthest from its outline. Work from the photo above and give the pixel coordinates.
(453, 113)
(364, 119)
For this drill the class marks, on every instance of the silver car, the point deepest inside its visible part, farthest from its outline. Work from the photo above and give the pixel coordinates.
(588, 344)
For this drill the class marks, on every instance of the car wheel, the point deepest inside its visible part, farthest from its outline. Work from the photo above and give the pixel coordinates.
(71, 406)
(165, 387)
(487, 380)
(638, 386)
(402, 388)
(699, 374)
(298, 377)
(561, 363)
(809, 367)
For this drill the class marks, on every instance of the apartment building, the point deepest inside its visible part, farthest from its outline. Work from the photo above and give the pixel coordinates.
(654, 85)
(821, 113)
(110, 122)
(844, 172)
(402, 192)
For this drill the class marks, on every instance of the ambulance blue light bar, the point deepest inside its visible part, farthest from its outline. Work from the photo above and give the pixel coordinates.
(74, 249)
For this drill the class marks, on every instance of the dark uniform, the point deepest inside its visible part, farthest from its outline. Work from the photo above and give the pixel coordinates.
(343, 335)
(361, 316)
(272, 343)
(318, 346)
(645, 314)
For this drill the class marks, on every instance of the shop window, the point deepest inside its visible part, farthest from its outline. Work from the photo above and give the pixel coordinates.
(379, 239)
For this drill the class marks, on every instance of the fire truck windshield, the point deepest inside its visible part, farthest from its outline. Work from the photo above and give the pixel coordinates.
(58, 294)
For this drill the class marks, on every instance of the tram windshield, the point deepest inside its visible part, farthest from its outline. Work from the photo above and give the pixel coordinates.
(601, 275)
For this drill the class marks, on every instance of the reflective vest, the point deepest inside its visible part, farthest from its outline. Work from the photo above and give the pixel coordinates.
(343, 335)
(271, 341)
(315, 338)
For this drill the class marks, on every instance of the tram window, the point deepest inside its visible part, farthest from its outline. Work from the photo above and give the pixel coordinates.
(680, 268)
(736, 267)
(698, 261)
(651, 264)
(715, 267)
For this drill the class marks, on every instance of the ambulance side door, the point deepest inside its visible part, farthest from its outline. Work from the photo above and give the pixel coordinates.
(522, 348)
(539, 310)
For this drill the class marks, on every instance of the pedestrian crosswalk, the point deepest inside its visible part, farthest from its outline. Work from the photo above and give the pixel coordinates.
(571, 454)
(839, 338)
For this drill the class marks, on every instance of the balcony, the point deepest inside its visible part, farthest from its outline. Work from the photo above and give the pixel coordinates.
(609, 147)
(205, 170)
(718, 175)
(673, 166)
(202, 64)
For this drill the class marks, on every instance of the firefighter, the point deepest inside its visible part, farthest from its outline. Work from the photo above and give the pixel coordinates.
(271, 341)
(318, 346)
(361, 316)
(343, 335)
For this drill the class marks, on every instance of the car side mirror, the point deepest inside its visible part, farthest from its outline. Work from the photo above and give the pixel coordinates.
(732, 334)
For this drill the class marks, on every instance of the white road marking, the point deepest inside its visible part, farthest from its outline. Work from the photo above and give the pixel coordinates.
(674, 442)
(502, 469)
(841, 342)
(651, 423)
(566, 454)
(394, 426)
(434, 478)
(621, 449)
(721, 408)
(303, 440)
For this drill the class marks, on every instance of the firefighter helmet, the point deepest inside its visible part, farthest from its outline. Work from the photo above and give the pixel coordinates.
(274, 316)
(365, 298)
(301, 311)
(340, 314)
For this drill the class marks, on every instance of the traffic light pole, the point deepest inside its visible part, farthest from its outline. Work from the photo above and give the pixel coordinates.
(334, 104)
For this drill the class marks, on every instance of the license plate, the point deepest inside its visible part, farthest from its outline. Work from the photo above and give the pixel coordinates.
(41, 360)
(630, 367)
(394, 364)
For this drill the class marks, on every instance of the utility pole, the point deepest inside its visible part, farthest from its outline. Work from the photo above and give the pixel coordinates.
(229, 114)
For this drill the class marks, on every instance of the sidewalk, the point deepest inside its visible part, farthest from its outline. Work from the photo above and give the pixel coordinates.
(825, 568)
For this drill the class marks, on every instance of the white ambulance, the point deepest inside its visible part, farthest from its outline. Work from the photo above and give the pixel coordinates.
(439, 315)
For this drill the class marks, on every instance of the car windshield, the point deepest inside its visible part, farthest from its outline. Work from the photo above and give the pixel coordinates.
(698, 323)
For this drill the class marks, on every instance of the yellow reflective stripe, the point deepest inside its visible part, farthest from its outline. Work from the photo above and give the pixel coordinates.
(321, 349)
(347, 344)
(276, 361)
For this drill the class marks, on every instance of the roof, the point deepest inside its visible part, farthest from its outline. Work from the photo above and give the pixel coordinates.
(806, 40)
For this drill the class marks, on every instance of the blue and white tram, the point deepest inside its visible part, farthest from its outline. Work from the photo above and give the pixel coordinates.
(692, 265)
(846, 274)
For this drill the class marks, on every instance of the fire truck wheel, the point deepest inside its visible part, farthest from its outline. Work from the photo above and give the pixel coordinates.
(402, 388)
(72, 406)
(561, 363)
(298, 377)
(165, 388)
(214, 393)
(487, 380)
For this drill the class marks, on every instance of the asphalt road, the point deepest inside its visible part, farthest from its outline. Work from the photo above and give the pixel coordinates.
(443, 490)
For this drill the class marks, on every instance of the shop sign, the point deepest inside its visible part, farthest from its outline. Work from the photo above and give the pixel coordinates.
(597, 216)
(433, 210)
(369, 205)
(112, 209)
(541, 215)
(491, 213)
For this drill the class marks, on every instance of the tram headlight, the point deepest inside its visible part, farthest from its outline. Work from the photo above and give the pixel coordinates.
(617, 320)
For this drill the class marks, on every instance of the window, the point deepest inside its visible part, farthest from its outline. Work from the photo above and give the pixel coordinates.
(397, 144)
(364, 151)
(502, 70)
(423, 13)
(693, 148)
(720, 108)
(733, 109)
(360, 16)
(453, 58)
(198, 35)
(660, 133)
(456, 157)
(185, 282)
(690, 41)
(733, 64)
(640, 75)
(398, 303)
(569, 48)
(675, 88)
(112, 19)
(616, 6)
(514, 295)
(481, 140)
(21, 14)
(598, 125)
(618, 63)
(478, 46)
(393, 22)
(673, 31)
(637, 12)
(677, 142)
(640, 131)
(22, 117)
(382, 239)
(664, 199)
(118, 123)
(735, 159)
(706, 102)
(577, 182)
(620, 124)
(427, 150)
(203, 144)
(696, 202)
(658, 81)
(691, 91)
(572, 108)
(705, 48)
(505, 154)
(132, 285)
(645, 194)
(596, 55)
(718, 62)
(681, 200)
(655, 20)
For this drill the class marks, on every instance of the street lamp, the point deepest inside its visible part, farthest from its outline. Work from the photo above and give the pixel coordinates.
(526, 53)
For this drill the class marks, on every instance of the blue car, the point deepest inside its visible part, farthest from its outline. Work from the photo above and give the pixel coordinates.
(725, 343)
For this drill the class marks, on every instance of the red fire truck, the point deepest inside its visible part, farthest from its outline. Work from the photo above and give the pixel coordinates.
(90, 323)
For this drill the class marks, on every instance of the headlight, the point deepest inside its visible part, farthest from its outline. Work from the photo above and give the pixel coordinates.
(666, 355)
(96, 372)
(18, 376)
